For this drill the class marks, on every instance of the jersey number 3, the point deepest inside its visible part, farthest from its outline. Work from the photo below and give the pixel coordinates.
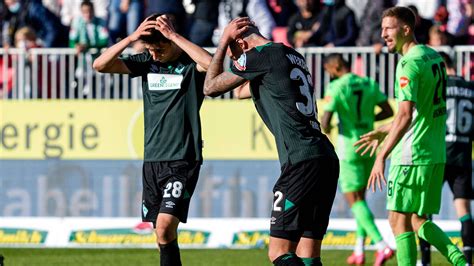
(307, 109)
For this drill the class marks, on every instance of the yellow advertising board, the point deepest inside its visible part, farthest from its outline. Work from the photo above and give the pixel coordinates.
(95, 130)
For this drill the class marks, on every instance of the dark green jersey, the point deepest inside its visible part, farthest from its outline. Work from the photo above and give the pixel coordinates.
(172, 98)
(459, 124)
(282, 91)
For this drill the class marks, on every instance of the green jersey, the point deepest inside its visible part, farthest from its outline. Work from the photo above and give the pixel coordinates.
(282, 91)
(421, 78)
(172, 98)
(353, 98)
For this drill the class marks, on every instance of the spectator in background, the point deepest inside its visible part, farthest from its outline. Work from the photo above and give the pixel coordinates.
(460, 12)
(256, 10)
(73, 10)
(422, 26)
(441, 17)
(369, 32)
(88, 31)
(54, 6)
(282, 11)
(18, 14)
(438, 37)
(124, 17)
(304, 27)
(343, 27)
(204, 22)
(38, 84)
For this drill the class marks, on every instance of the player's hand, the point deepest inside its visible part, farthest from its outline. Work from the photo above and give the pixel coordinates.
(235, 28)
(142, 30)
(370, 142)
(164, 25)
(377, 175)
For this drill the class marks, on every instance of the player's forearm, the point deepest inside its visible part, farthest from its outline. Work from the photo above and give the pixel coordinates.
(396, 130)
(212, 84)
(105, 62)
(198, 54)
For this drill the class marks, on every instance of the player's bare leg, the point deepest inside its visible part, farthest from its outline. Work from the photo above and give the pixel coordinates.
(167, 239)
(283, 252)
(309, 250)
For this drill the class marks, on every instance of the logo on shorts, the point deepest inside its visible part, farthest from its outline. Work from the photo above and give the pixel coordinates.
(169, 204)
(144, 209)
(273, 220)
(405, 171)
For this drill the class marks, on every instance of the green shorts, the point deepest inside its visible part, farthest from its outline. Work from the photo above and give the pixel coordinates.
(415, 188)
(354, 175)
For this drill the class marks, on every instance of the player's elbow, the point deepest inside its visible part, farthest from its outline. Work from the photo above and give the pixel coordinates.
(209, 90)
(98, 66)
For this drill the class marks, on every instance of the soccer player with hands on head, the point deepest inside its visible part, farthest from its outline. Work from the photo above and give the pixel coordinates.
(172, 70)
(281, 88)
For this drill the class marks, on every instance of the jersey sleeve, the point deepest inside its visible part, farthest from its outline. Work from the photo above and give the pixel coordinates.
(408, 80)
(138, 64)
(330, 98)
(250, 65)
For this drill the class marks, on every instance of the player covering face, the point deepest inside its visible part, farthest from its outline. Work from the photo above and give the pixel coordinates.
(171, 69)
(279, 82)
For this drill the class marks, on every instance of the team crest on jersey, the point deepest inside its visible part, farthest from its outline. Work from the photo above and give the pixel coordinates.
(404, 82)
(241, 63)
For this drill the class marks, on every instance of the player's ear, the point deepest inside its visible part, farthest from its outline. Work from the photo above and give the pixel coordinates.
(242, 44)
(407, 30)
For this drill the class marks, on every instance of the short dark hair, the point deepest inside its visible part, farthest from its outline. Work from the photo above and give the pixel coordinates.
(337, 58)
(447, 59)
(404, 14)
(87, 3)
(156, 36)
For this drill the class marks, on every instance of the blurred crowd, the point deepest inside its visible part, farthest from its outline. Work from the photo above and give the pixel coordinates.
(85, 24)
(90, 25)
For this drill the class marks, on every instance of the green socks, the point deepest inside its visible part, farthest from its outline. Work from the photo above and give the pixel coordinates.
(312, 261)
(436, 237)
(365, 219)
(406, 249)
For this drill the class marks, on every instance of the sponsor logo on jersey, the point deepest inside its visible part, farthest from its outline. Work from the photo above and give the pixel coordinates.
(404, 82)
(169, 204)
(327, 99)
(162, 82)
(241, 63)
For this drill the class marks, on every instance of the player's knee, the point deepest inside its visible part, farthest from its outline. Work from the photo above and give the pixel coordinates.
(165, 234)
(399, 222)
(273, 254)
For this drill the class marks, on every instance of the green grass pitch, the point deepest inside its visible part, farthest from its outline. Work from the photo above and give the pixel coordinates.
(189, 257)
